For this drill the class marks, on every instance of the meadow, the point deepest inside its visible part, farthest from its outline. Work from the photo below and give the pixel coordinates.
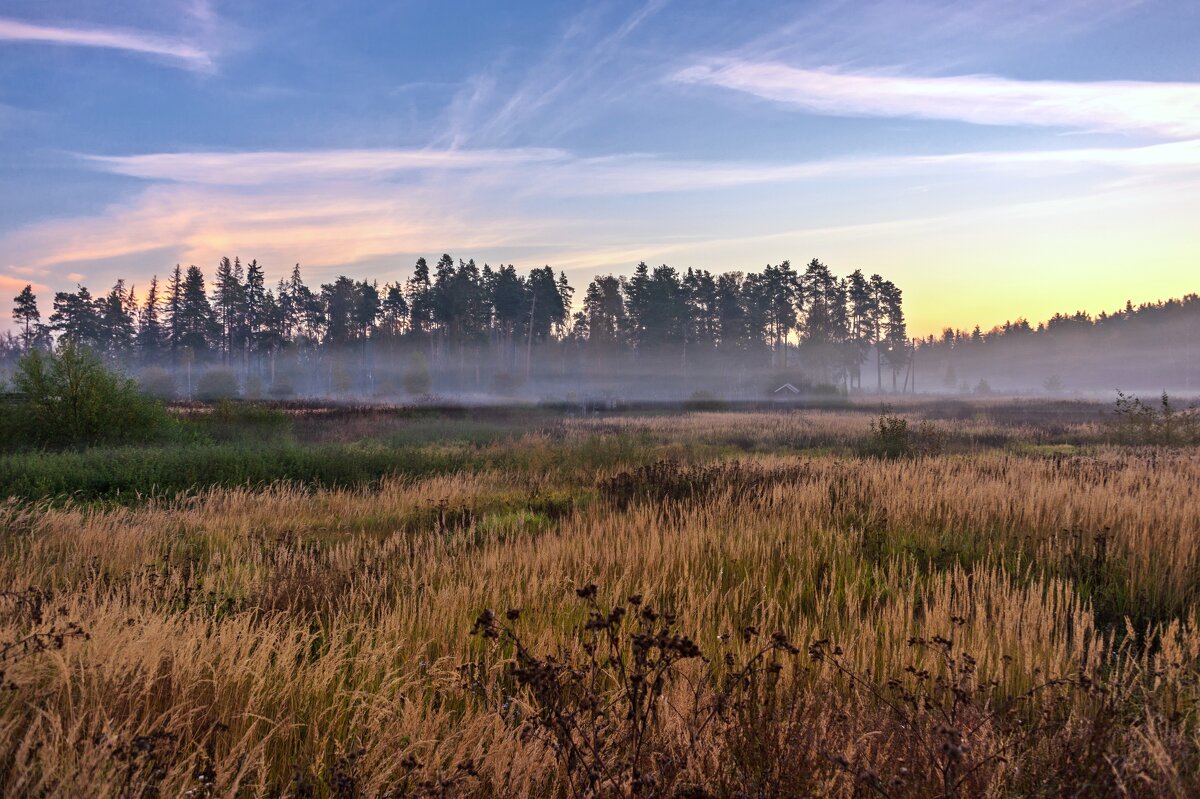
(951, 599)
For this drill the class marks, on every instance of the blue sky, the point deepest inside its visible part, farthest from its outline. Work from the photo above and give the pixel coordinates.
(994, 159)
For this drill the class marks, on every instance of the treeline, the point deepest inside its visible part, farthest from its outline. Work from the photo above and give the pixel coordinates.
(478, 326)
(1152, 346)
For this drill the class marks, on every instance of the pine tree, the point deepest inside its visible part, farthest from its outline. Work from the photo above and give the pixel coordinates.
(664, 309)
(441, 293)
(637, 300)
(510, 307)
(547, 311)
(27, 316)
(604, 311)
(394, 308)
(700, 297)
(862, 313)
(74, 316)
(420, 302)
(115, 325)
(366, 310)
(895, 330)
(732, 331)
(783, 302)
(338, 298)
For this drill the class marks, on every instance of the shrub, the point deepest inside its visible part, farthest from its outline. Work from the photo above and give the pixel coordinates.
(69, 398)
(928, 439)
(386, 383)
(704, 401)
(827, 390)
(506, 384)
(601, 714)
(341, 379)
(254, 387)
(217, 384)
(282, 388)
(1136, 422)
(158, 383)
(417, 379)
(892, 437)
(889, 437)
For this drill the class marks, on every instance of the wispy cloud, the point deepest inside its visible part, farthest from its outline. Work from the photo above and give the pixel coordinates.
(338, 207)
(10, 283)
(185, 52)
(1164, 109)
(197, 224)
(556, 173)
(259, 168)
(486, 110)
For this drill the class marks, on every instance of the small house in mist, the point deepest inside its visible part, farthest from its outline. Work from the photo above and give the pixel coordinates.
(786, 390)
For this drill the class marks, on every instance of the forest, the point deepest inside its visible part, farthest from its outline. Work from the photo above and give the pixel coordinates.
(458, 328)
(661, 333)
(1152, 346)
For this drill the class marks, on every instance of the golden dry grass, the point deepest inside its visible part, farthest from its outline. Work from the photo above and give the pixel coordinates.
(262, 637)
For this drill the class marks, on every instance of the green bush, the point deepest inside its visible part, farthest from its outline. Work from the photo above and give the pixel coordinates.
(1137, 422)
(281, 388)
(158, 383)
(889, 437)
(254, 387)
(928, 439)
(417, 379)
(216, 384)
(704, 401)
(506, 384)
(69, 398)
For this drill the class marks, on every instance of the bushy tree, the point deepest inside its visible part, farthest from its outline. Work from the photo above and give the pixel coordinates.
(69, 398)
(417, 379)
(218, 383)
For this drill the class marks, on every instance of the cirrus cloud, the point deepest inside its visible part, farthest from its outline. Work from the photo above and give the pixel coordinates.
(1169, 110)
(186, 52)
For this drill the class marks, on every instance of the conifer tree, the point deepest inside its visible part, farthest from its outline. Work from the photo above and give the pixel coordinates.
(27, 316)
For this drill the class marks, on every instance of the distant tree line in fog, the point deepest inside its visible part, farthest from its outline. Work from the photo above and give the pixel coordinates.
(1150, 346)
(476, 323)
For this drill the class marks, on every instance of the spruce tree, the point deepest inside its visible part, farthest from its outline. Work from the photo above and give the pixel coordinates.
(174, 331)
(150, 333)
(197, 326)
(254, 297)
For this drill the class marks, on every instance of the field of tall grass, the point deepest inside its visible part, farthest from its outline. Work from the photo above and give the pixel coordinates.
(669, 605)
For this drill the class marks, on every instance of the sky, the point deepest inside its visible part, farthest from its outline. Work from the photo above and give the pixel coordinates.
(995, 159)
